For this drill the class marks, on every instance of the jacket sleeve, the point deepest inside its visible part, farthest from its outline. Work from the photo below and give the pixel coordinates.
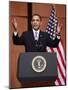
(50, 42)
(18, 40)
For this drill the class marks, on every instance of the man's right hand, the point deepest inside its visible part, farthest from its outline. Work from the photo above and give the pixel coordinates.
(15, 24)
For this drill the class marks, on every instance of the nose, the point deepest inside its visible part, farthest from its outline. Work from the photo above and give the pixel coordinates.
(35, 21)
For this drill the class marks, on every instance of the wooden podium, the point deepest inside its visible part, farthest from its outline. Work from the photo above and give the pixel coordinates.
(37, 69)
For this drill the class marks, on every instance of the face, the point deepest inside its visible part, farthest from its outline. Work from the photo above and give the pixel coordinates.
(36, 22)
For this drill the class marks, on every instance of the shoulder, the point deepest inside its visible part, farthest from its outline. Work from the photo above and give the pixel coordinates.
(44, 33)
(26, 33)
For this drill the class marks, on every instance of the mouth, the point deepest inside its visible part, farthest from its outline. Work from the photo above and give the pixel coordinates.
(35, 25)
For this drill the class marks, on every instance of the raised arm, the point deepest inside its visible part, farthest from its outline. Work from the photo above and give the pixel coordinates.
(50, 42)
(16, 39)
(54, 43)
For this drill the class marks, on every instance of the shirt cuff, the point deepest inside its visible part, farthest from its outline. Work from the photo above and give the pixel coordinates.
(15, 33)
(58, 37)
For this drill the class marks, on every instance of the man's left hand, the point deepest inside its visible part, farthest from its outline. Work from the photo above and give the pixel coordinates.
(59, 28)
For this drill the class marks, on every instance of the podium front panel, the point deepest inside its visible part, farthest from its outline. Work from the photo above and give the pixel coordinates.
(26, 72)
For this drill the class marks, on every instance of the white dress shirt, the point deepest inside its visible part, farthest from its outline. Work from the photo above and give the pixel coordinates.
(36, 34)
(15, 33)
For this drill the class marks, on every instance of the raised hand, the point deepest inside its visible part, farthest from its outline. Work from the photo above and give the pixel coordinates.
(14, 24)
(59, 28)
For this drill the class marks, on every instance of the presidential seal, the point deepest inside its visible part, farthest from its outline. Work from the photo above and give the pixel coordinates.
(39, 64)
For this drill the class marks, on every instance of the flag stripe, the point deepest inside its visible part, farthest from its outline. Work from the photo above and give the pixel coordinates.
(60, 77)
(62, 60)
(61, 72)
(52, 29)
(60, 68)
(58, 81)
(62, 51)
(59, 60)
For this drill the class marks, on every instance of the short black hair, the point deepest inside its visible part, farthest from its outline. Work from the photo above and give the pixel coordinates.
(37, 15)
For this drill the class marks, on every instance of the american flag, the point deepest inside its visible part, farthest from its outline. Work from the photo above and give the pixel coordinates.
(61, 66)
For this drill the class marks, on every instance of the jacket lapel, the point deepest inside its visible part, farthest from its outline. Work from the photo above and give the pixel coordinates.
(32, 36)
(40, 36)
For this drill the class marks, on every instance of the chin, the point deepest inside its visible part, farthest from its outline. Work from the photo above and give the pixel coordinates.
(36, 28)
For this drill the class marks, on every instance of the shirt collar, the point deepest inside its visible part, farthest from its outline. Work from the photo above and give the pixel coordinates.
(36, 31)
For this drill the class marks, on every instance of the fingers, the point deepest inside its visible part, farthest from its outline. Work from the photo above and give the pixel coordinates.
(14, 23)
(59, 28)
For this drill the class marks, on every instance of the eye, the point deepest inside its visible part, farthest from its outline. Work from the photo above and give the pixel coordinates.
(37, 20)
(33, 20)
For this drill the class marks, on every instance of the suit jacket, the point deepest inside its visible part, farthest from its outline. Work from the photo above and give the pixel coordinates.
(32, 45)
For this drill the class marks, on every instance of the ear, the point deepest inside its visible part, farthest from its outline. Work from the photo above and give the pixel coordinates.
(31, 22)
(41, 23)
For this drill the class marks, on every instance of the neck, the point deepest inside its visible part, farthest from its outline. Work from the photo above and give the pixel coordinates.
(36, 30)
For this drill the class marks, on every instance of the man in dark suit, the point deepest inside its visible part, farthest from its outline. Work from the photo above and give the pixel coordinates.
(35, 40)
